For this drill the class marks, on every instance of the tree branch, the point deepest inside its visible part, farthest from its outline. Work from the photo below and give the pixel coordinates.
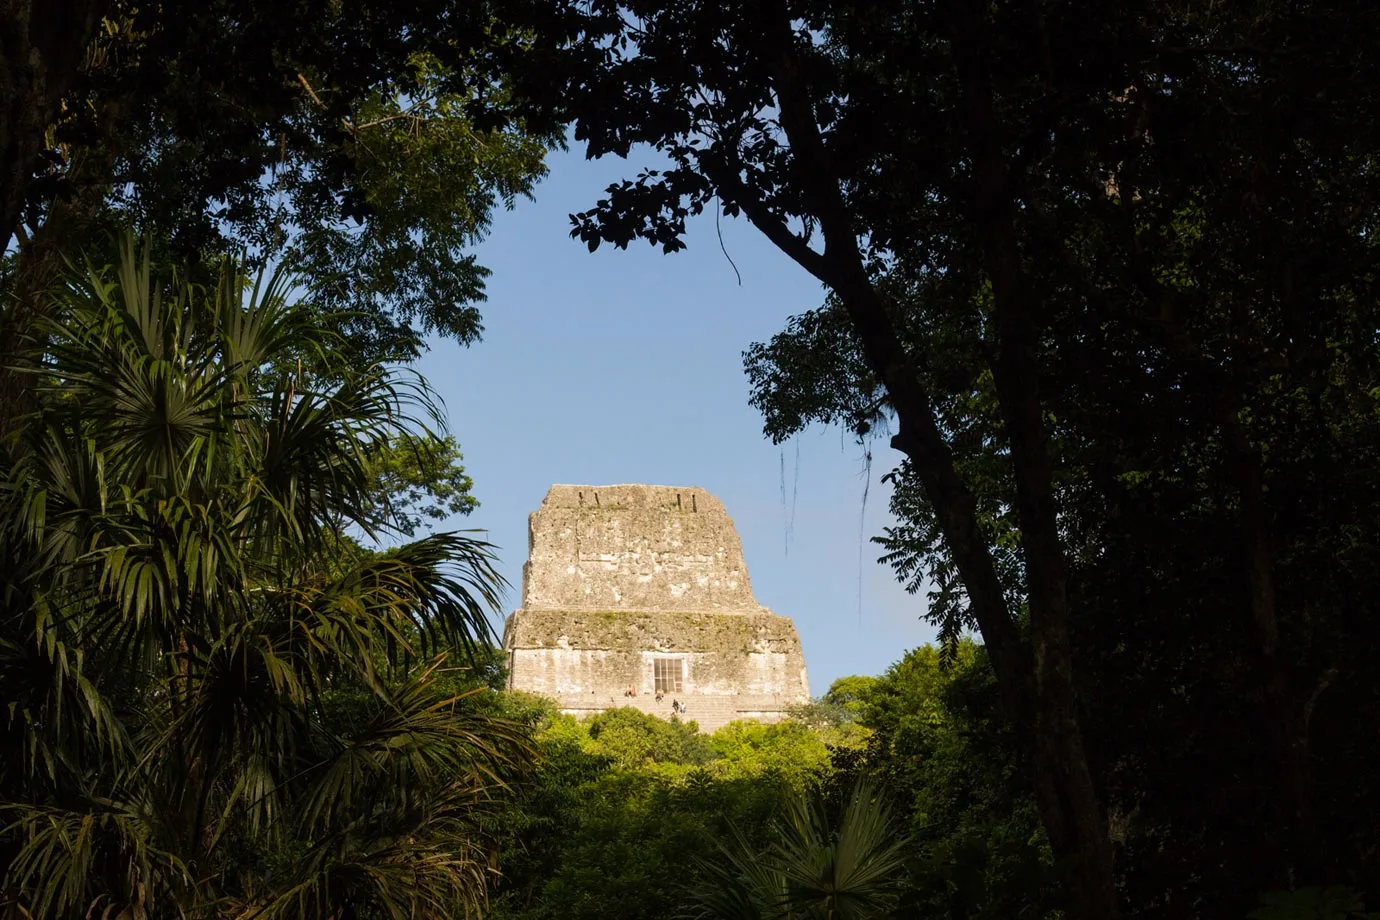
(726, 178)
(841, 267)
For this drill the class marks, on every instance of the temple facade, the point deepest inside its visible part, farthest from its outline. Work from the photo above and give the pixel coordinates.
(638, 595)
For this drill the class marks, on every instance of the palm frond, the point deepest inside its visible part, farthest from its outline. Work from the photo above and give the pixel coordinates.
(180, 609)
(844, 867)
(849, 869)
(412, 602)
(99, 862)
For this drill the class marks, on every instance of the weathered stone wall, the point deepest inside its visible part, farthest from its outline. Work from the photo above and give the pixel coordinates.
(619, 577)
(634, 547)
(732, 666)
(576, 651)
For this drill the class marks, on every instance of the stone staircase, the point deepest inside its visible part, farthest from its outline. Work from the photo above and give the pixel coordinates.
(710, 711)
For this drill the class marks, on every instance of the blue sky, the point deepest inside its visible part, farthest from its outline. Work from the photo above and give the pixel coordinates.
(626, 366)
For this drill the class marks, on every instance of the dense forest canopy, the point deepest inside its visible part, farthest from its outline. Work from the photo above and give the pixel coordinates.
(1103, 274)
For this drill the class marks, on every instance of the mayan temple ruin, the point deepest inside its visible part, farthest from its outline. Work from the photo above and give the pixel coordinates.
(638, 595)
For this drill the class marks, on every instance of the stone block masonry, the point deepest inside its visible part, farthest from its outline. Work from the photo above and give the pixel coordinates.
(634, 547)
(631, 590)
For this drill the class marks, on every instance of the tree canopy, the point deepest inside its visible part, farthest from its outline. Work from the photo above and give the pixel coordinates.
(1105, 275)
(366, 143)
(213, 696)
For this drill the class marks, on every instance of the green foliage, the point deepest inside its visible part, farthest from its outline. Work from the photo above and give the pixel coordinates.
(424, 180)
(799, 750)
(834, 716)
(370, 144)
(850, 692)
(939, 747)
(630, 738)
(625, 803)
(1332, 903)
(215, 700)
(632, 850)
(821, 862)
(814, 372)
(1145, 232)
(631, 816)
(419, 478)
(1108, 274)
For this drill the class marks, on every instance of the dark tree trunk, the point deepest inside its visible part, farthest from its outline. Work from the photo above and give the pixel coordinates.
(1039, 693)
(1071, 812)
(42, 47)
(42, 44)
(1281, 707)
(1283, 711)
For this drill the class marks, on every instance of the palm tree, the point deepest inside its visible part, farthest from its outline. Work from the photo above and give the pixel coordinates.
(218, 704)
(821, 864)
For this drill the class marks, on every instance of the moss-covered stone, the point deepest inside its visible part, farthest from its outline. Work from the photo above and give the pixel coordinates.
(628, 584)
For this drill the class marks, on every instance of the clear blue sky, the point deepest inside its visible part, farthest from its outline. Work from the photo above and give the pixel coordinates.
(626, 366)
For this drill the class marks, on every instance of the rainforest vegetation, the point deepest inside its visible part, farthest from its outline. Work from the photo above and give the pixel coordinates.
(1105, 275)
